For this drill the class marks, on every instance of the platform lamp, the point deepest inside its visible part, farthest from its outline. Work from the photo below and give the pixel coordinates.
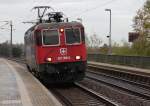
(109, 36)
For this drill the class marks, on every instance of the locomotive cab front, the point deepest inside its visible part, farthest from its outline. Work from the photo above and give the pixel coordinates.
(59, 51)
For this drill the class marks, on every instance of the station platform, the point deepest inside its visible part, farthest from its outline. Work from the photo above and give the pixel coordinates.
(19, 88)
(127, 69)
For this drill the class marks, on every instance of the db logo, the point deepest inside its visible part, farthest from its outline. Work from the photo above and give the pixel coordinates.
(63, 51)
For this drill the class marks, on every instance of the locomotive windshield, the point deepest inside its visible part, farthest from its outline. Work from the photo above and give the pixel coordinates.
(50, 37)
(72, 35)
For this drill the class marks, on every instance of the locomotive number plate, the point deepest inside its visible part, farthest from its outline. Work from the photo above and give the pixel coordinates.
(64, 58)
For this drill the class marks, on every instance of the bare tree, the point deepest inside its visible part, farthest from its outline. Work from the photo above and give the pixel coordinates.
(95, 41)
(142, 26)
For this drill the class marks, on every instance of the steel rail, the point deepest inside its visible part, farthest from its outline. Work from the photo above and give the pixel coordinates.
(133, 92)
(105, 100)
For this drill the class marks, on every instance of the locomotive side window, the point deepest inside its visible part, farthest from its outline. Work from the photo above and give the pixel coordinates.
(82, 35)
(50, 37)
(72, 35)
(38, 38)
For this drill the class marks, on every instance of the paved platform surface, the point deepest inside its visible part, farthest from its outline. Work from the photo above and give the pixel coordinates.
(145, 72)
(19, 88)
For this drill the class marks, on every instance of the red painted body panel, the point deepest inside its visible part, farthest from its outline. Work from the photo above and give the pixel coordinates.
(54, 53)
(43, 52)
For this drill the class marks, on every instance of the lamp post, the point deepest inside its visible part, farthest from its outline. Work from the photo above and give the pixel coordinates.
(109, 36)
(11, 26)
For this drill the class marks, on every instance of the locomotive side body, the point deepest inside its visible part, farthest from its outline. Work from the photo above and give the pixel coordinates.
(56, 51)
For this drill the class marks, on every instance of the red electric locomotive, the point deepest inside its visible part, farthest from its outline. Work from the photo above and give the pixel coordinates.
(55, 50)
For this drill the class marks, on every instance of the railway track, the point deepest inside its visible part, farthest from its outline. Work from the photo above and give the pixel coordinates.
(79, 95)
(138, 81)
(136, 77)
(121, 83)
(133, 89)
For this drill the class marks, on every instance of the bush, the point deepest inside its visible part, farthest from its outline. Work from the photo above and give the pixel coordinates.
(16, 51)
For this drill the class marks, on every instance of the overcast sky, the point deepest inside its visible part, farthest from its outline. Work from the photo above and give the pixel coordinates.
(95, 19)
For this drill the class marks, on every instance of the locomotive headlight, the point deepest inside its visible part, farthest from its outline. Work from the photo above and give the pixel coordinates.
(78, 57)
(61, 30)
(49, 59)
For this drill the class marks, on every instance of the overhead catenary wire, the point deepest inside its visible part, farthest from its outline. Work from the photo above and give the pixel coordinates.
(87, 10)
(93, 8)
(4, 25)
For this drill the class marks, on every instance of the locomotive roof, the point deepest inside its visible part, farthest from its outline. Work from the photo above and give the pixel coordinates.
(55, 25)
